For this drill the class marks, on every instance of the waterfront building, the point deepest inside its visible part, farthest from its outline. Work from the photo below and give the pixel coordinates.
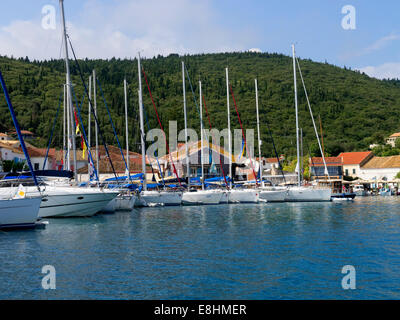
(380, 169)
(353, 161)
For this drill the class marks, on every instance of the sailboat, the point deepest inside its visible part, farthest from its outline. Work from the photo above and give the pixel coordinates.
(236, 195)
(60, 200)
(269, 194)
(126, 200)
(18, 210)
(152, 197)
(195, 196)
(300, 192)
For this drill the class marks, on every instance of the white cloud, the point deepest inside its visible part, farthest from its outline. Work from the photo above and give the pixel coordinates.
(256, 50)
(123, 28)
(388, 70)
(377, 45)
(380, 43)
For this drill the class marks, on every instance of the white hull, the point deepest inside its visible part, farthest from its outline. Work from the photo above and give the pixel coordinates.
(244, 196)
(224, 197)
(273, 195)
(85, 204)
(305, 194)
(63, 201)
(125, 202)
(19, 212)
(165, 198)
(202, 197)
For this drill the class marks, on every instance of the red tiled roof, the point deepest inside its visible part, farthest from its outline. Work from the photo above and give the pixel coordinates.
(395, 135)
(40, 152)
(355, 157)
(330, 161)
(272, 160)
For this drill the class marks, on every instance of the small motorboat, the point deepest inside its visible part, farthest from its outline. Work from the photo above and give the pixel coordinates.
(343, 196)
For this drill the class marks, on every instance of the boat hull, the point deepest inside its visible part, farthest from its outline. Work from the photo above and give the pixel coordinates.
(19, 213)
(166, 198)
(202, 197)
(305, 194)
(74, 205)
(224, 197)
(125, 202)
(273, 195)
(346, 195)
(244, 196)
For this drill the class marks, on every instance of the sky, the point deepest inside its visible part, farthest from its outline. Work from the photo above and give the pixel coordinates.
(366, 38)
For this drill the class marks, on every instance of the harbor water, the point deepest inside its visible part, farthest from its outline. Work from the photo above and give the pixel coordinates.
(239, 251)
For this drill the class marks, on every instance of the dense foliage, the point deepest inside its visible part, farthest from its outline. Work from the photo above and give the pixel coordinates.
(355, 110)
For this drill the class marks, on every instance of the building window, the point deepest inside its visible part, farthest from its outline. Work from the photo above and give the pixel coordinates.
(354, 171)
(36, 166)
(347, 172)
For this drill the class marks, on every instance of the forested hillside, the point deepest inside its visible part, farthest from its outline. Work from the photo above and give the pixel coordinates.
(355, 110)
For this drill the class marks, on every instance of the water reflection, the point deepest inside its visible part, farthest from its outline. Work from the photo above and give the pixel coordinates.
(249, 251)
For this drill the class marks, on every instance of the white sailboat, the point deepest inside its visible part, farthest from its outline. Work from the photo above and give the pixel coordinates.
(299, 192)
(19, 213)
(236, 195)
(152, 197)
(191, 197)
(126, 200)
(269, 194)
(70, 201)
(17, 210)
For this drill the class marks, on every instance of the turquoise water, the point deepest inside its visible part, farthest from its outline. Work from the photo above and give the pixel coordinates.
(241, 251)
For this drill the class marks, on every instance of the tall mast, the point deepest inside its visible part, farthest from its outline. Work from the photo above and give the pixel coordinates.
(297, 116)
(201, 136)
(64, 130)
(301, 154)
(258, 134)
(185, 116)
(95, 127)
(126, 128)
(229, 129)
(89, 119)
(142, 126)
(69, 95)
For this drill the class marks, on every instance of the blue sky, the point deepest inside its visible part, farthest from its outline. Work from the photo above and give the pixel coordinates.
(106, 28)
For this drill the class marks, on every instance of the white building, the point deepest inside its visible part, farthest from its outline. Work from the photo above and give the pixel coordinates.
(380, 169)
(392, 139)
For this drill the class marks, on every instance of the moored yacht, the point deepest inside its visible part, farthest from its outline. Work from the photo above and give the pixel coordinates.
(272, 194)
(162, 197)
(67, 201)
(243, 196)
(19, 213)
(202, 197)
(305, 193)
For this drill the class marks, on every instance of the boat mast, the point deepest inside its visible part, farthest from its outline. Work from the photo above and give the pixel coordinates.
(185, 118)
(69, 95)
(89, 120)
(95, 127)
(142, 126)
(126, 128)
(259, 138)
(313, 121)
(301, 155)
(201, 136)
(229, 129)
(64, 130)
(297, 116)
